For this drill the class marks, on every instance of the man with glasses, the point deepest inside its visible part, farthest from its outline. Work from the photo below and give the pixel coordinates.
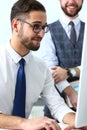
(28, 22)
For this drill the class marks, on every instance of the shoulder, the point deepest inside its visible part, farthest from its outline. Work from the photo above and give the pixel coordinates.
(40, 66)
(38, 61)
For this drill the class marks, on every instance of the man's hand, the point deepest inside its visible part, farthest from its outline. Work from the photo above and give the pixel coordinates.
(72, 94)
(18, 123)
(42, 123)
(59, 74)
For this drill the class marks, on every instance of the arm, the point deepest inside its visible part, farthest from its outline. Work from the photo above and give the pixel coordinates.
(47, 53)
(73, 96)
(13, 122)
(53, 100)
(51, 60)
(69, 92)
(70, 118)
(60, 73)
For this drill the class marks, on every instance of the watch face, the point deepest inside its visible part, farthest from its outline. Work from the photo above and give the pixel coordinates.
(73, 72)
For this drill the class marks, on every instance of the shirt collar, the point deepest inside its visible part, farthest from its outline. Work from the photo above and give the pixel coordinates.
(65, 21)
(15, 56)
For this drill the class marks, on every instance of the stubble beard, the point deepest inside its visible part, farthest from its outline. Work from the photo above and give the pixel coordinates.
(71, 14)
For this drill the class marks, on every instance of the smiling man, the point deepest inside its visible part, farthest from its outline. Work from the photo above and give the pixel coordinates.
(62, 51)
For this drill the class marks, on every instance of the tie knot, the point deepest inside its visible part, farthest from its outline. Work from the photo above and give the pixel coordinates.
(71, 23)
(22, 62)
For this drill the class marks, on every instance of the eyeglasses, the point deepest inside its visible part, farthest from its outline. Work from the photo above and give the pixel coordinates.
(36, 27)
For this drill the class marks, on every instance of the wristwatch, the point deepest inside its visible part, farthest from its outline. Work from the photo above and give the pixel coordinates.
(71, 72)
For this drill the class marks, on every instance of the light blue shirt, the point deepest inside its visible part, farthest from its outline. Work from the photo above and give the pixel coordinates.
(47, 44)
(39, 81)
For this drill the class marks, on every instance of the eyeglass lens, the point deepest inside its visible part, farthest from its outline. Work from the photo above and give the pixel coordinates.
(37, 28)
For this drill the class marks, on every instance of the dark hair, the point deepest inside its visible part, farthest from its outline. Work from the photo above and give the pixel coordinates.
(22, 7)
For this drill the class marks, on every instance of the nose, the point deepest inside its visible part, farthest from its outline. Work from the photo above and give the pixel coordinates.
(41, 33)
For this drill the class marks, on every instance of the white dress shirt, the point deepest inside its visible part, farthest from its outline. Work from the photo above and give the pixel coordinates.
(39, 81)
(47, 44)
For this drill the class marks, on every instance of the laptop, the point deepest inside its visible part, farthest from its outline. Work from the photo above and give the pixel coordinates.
(81, 114)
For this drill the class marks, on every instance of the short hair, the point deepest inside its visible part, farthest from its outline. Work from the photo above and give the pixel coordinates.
(23, 7)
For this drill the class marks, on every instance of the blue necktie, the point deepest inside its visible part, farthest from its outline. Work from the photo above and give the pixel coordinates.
(20, 91)
(73, 34)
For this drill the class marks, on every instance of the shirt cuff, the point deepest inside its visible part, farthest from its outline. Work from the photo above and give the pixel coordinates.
(66, 111)
(79, 67)
(62, 85)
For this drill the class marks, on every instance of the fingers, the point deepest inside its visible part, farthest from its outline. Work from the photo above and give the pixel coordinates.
(54, 67)
(51, 124)
(56, 77)
(59, 74)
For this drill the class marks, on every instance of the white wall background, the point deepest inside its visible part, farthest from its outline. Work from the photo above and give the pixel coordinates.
(53, 13)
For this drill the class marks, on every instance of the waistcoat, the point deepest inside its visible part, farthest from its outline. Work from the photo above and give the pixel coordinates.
(68, 55)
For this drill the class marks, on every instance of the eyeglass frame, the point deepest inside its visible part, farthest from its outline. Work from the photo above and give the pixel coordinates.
(33, 26)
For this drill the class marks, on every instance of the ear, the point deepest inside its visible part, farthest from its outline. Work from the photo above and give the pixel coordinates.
(15, 24)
